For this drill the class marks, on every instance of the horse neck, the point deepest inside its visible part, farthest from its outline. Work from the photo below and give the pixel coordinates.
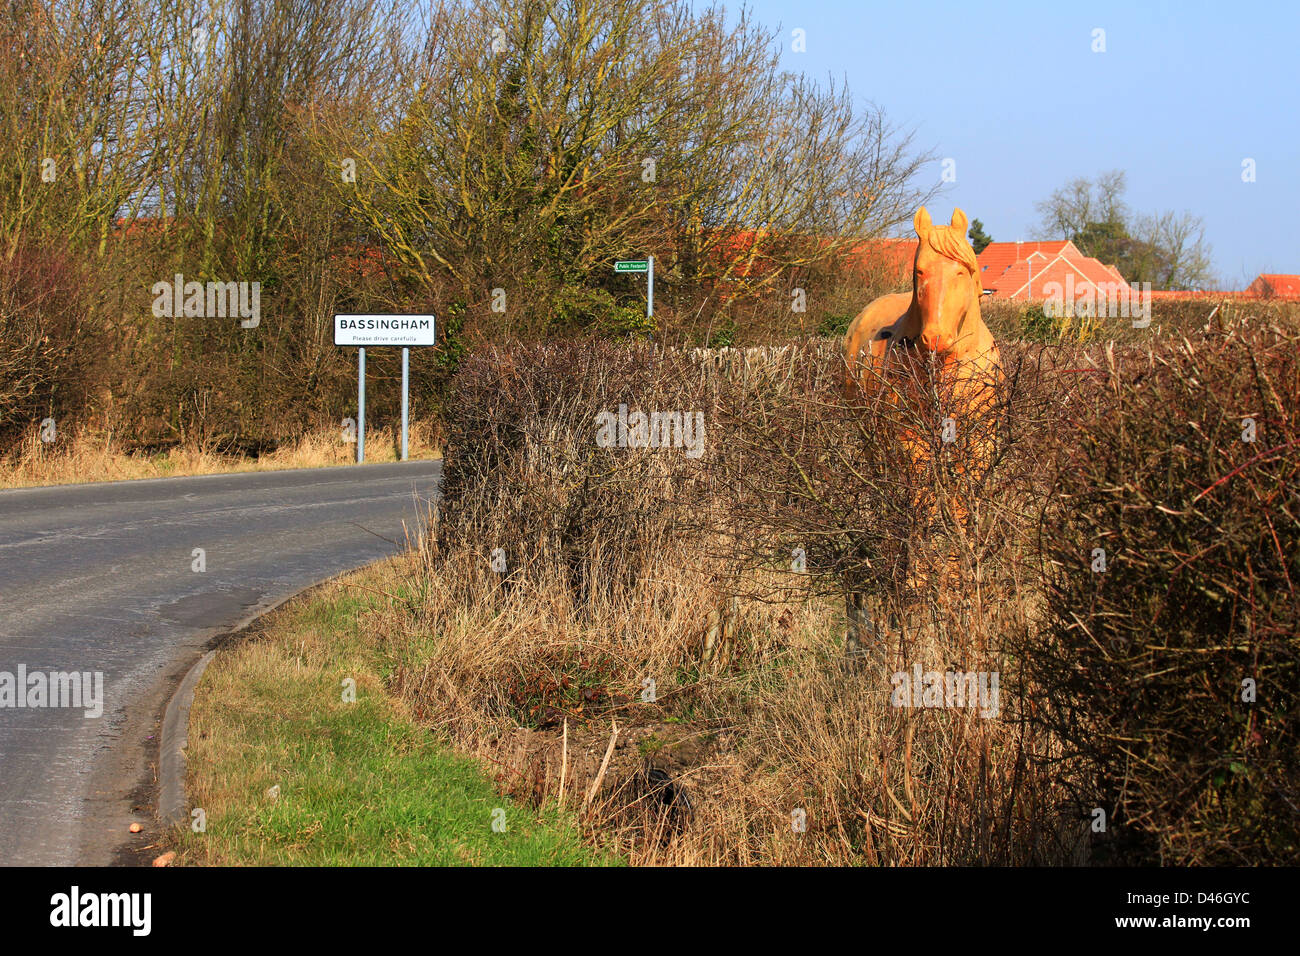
(976, 339)
(974, 318)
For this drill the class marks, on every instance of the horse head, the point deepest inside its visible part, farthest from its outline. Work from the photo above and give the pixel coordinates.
(945, 285)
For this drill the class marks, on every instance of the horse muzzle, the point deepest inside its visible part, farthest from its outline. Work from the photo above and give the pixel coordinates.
(935, 343)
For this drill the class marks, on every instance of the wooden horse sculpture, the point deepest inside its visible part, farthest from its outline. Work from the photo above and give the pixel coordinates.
(892, 341)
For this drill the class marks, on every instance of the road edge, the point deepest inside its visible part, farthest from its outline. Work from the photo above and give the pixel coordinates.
(174, 737)
(171, 748)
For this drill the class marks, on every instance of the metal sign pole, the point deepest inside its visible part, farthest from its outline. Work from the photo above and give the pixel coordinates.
(647, 266)
(406, 364)
(384, 330)
(361, 406)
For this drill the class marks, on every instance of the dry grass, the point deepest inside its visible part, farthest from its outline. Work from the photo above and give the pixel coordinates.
(290, 770)
(772, 721)
(87, 456)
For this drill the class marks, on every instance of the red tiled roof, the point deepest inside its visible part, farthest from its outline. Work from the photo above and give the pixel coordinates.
(1197, 294)
(891, 255)
(1006, 269)
(1021, 270)
(1266, 286)
(1097, 273)
(998, 257)
(1276, 285)
(139, 226)
(1028, 278)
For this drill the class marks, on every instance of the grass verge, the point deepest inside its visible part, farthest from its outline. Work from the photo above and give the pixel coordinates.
(359, 783)
(89, 458)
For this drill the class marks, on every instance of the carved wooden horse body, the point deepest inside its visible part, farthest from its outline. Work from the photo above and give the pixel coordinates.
(892, 341)
(938, 321)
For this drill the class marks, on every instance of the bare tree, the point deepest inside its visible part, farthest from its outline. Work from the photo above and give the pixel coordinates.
(1166, 249)
(538, 141)
(79, 136)
(1173, 250)
(1083, 203)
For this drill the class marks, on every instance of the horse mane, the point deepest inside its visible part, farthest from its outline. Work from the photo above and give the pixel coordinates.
(949, 242)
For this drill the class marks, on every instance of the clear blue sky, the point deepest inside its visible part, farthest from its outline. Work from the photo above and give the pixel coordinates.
(1014, 94)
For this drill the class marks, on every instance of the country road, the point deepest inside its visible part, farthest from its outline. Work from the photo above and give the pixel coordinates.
(102, 579)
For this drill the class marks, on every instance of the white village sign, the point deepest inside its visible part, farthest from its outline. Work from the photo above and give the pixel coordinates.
(383, 330)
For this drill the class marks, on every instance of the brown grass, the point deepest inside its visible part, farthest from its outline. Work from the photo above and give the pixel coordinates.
(88, 456)
(773, 721)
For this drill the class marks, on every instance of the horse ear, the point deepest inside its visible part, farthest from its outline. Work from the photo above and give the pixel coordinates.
(921, 222)
(959, 221)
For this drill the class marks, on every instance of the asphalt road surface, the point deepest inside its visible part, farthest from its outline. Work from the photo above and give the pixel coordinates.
(102, 579)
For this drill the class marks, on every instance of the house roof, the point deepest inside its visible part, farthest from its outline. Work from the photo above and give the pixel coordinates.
(998, 257)
(893, 255)
(1020, 270)
(1006, 269)
(1276, 284)
(141, 225)
(1265, 286)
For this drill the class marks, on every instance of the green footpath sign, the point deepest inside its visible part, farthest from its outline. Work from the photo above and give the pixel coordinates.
(647, 266)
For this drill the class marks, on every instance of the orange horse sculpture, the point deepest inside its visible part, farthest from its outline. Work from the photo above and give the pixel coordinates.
(892, 341)
(938, 322)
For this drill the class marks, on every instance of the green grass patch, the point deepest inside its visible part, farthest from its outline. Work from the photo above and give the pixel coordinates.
(360, 783)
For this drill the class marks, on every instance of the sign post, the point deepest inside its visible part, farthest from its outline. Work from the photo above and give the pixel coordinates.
(361, 405)
(647, 266)
(383, 330)
(406, 377)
